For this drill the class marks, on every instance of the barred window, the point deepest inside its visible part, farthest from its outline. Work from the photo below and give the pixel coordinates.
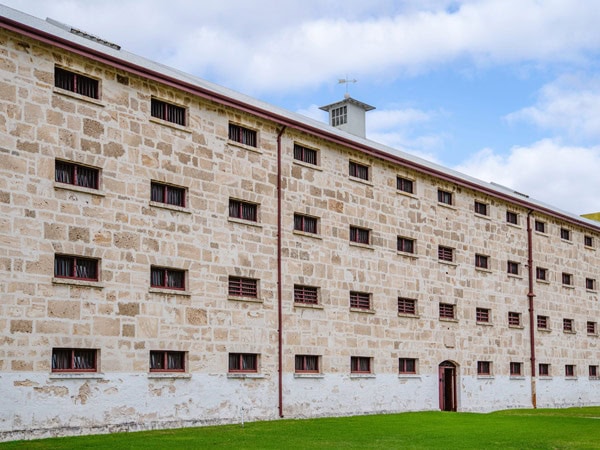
(482, 315)
(357, 170)
(590, 284)
(484, 368)
(166, 278)
(447, 311)
(167, 361)
(360, 364)
(305, 154)
(567, 279)
(243, 362)
(76, 174)
(514, 319)
(360, 300)
(306, 224)
(407, 306)
(164, 193)
(542, 322)
(445, 254)
(75, 267)
(512, 268)
(541, 274)
(512, 217)
(339, 116)
(74, 82)
(482, 261)
(544, 370)
(243, 210)
(307, 295)
(407, 365)
(516, 369)
(568, 325)
(444, 197)
(591, 327)
(569, 370)
(307, 364)
(540, 226)
(242, 135)
(565, 234)
(588, 241)
(74, 360)
(243, 287)
(360, 235)
(481, 208)
(405, 185)
(167, 111)
(406, 245)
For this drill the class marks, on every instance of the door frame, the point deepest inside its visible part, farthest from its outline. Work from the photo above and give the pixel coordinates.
(447, 377)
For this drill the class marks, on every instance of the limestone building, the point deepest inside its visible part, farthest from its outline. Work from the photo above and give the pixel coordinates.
(174, 253)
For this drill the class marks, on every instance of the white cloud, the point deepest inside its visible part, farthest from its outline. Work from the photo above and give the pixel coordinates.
(570, 104)
(562, 176)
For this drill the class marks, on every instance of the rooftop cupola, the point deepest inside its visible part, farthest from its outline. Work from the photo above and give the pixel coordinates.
(348, 115)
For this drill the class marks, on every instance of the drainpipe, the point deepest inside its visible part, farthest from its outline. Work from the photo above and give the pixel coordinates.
(530, 296)
(279, 290)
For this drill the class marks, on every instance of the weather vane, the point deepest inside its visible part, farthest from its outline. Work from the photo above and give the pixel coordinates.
(346, 81)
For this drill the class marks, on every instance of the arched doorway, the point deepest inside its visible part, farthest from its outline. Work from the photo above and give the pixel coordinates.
(447, 378)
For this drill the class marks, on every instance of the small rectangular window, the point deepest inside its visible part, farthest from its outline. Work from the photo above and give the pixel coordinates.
(516, 369)
(565, 234)
(360, 364)
(482, 315)
(588, 241)
(339, 116)
(544, 370)
(405, 185)
(482, 261)
(481, 208)
(593, 371)
(307, 364)
(166, 278)
(512, 217)
(306, 224)
(590, 284)
(542, 322)
(243, 362)
(360, 300)
(243, 135)
(74, 360)
(74, 82)
(514, 319)
(540, 226)
(243, 210)
(567, 279)
(407, 306)
(76, 174)
(243, 287)
(512, 268)
(445, 254)
(447, 311)
(568, 325)
(484, 368)
(357, 170)
(307, 295)
(405, 245)
(444, 197)
(360, 235)
(164, 193)
(541, 274)
(305, 154)
(407, 365)
(167, 111)
(569, 370)
(167, 361)
(591, 327)
(75, 267)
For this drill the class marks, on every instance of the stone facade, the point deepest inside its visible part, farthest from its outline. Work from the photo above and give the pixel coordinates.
(122, 317)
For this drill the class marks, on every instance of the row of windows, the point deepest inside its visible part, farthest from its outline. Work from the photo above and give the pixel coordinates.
(86, 360)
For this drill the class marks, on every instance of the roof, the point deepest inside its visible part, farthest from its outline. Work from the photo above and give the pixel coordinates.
(347, 99)
(97, 49)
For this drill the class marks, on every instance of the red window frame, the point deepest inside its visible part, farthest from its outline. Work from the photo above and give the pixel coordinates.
(591, 327)
(482, 315)
(306, 224)
(484, 368)
(243, 135)
(307, 295)
(516, 369)
(307, 364)
(167, 361)
(407, 306)
(358, 170)
(568, 325)
(167, 278)
(512, 217)
(514, 319)
(74, 360)
(76, 174)
(243, 362)
(243, 287)
(305, 154)
(360, 235)
(167, 111)
(544, 369)
(447, 311)
(541, 274)
(445, 253)
(405, 245)
(542, 322)
(407, 365)
(167, 194)
(76, 268)
(360, 300)
(481, 208)
(569, 370)
(444, 197)
(74, 82)
(512, 267)
(405, 185)
(360, 364)
(482, 261)
(239, 209)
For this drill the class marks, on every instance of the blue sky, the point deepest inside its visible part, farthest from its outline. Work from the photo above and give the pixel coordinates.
(503, 90)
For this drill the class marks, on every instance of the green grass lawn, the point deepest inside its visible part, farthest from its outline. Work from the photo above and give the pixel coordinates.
(513, 429)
